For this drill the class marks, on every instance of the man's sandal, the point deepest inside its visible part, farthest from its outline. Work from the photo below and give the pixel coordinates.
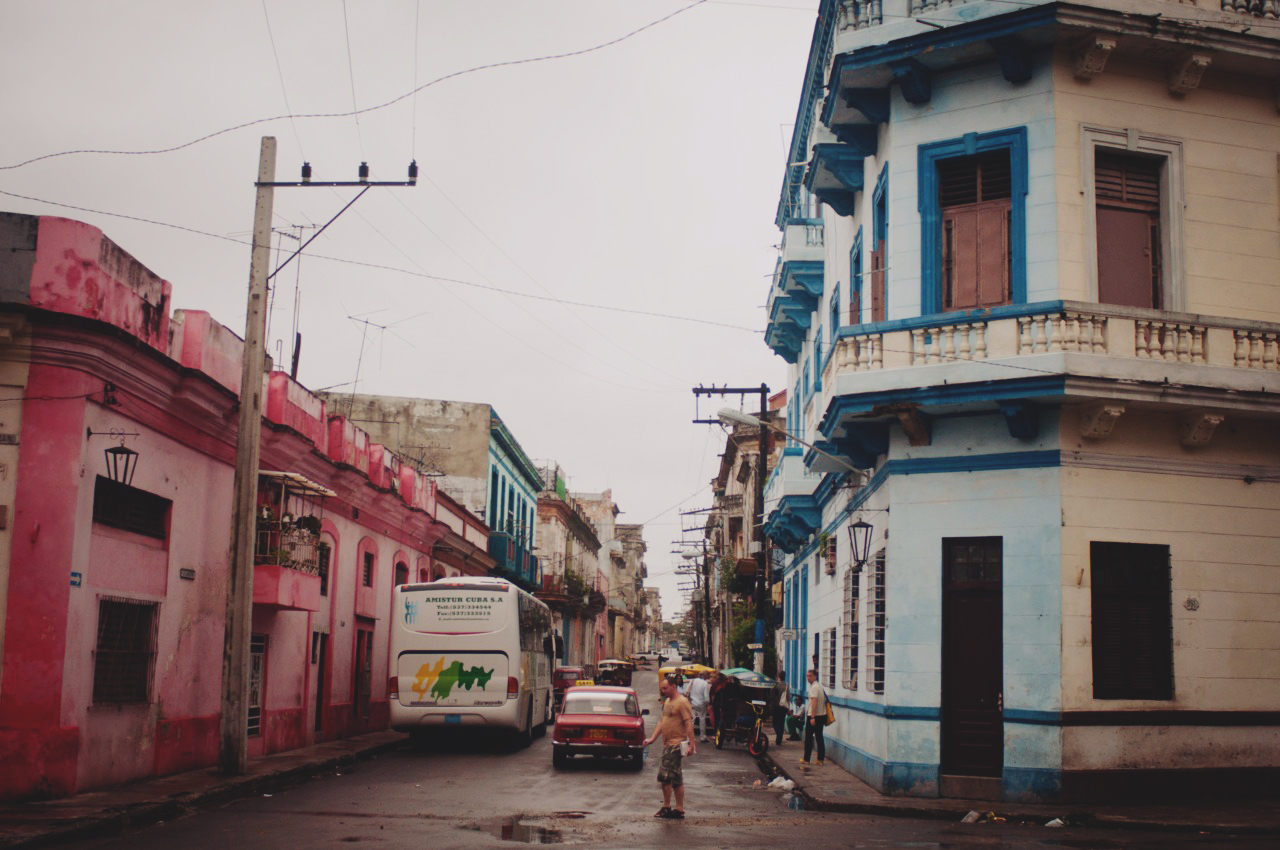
(663, 812)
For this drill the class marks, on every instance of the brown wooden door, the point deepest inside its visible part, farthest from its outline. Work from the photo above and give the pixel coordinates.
(972, 657)
(363, 673)
(877, 284)
(1128, 231)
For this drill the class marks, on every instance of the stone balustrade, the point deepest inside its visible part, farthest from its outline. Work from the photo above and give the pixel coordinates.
(1058, 327)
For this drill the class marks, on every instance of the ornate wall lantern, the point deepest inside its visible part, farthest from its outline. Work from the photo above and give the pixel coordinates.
(122, 461)
(860, 542)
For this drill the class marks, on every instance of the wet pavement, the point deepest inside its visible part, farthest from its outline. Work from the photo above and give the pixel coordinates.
(827, 789)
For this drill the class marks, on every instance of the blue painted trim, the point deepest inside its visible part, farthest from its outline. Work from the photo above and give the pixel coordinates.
(930, 320)
(887, 777)
(957, 35)
(984, 391)
(1015, 141)
(1030, 717)
(1031, 784)
(813, 88)
(893, 712)
(1045, 459)
(855, 278)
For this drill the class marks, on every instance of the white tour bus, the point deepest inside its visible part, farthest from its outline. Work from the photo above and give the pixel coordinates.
(469, 651)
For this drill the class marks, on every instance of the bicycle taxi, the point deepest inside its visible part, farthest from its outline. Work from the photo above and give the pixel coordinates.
(742, 710)
(614, 671)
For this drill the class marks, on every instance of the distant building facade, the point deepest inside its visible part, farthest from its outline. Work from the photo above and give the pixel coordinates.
(475, 458)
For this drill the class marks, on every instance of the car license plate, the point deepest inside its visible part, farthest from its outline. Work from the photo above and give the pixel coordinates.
(597, 733)
(453, 718)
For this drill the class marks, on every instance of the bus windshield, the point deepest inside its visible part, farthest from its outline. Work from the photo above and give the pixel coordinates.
(458, 609)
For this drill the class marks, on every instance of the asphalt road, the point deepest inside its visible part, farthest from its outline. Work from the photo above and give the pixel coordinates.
(467, 794)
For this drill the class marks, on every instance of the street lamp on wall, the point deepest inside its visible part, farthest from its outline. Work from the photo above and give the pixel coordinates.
(860, 542)
(730, 416)
(122, 461)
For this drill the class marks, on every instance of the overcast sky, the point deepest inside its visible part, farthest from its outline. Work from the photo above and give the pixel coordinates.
(617, 153)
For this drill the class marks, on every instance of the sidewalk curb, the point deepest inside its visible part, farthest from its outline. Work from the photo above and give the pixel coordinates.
(946, 811)
(112, 822)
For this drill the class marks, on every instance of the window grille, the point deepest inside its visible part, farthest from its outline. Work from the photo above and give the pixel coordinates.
(830, 667)
(852, 590)
(366, 573)
(257, 669)
(829, 556)
(130, 509)
(1132, 621)
(125, 654)
(876, 623)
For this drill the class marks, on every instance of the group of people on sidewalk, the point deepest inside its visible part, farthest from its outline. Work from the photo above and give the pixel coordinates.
(796, 715)
(679, 740)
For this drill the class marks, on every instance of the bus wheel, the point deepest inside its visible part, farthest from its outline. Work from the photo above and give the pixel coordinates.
(541, 729)
(526, 737)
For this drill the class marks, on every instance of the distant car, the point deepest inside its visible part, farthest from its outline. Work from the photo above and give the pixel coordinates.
(566, 677)
(599, 721)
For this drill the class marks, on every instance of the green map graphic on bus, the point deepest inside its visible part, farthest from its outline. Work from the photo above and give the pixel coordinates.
(439, 679)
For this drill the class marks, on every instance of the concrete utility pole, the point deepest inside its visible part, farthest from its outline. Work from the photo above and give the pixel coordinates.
(763, 602)
(233, 737)
(233, 741)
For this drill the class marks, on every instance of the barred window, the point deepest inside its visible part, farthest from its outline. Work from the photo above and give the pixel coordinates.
(876, 623)
(852, 589)
(830, 667)
(125, 655)
(829, 556)
(366, 573)
(257, 675)
(130, 509)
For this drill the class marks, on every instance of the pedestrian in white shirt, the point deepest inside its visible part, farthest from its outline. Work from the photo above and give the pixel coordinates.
(816, 720)
(700, 699)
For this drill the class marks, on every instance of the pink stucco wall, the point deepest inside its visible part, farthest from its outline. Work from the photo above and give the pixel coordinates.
(173, 399)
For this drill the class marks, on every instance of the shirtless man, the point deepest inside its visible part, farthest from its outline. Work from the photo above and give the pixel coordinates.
(675, 727)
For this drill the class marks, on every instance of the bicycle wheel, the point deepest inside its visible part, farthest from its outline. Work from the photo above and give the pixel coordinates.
(759, 742)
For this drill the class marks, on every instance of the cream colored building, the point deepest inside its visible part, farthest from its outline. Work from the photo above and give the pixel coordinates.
(1030, 285)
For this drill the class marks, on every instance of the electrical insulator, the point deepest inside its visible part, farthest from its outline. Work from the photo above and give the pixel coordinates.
(364, 172)
(306, 172)
(413, 171)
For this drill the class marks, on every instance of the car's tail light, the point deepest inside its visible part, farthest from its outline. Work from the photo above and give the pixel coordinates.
(513, 687)
(393, 688)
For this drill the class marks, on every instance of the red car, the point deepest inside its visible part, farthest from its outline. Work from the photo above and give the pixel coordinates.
(599, 721)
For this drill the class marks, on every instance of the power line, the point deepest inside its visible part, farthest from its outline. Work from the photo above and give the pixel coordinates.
(488, 66)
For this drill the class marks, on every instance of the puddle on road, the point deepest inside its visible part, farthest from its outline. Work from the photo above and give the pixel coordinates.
(794, 801)
(513, 830)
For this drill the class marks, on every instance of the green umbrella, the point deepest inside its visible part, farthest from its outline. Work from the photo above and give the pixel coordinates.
(742, 674)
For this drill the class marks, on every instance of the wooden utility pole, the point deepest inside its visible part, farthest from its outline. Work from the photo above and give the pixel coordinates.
(233, 737)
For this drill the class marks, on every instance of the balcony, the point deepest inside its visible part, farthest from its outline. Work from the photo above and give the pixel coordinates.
(513, 560)
(286, 573)
(1014, 357)
(791, 488)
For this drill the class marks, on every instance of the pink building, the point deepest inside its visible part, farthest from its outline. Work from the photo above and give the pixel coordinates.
(113, 585)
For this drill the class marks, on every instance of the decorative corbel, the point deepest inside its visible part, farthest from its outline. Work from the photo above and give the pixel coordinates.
(914, 80)
(915, 425)
(1021, 418)
(1185, 75)
(1091, 56)
(1015, 58)
(1097, 420)
(1196, 428)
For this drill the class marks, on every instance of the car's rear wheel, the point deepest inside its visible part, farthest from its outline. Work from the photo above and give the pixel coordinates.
(637, 761)
(559, 757)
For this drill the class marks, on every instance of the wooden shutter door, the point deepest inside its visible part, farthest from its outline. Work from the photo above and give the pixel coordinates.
(1127, 190)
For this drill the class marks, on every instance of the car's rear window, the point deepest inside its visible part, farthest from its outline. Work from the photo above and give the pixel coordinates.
(620, 704)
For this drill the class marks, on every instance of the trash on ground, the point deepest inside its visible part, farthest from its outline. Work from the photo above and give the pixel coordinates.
(782, 783)
(1056, 822)
(972, 817)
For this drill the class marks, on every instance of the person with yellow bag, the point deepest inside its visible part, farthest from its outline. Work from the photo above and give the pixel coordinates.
(817, 715)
